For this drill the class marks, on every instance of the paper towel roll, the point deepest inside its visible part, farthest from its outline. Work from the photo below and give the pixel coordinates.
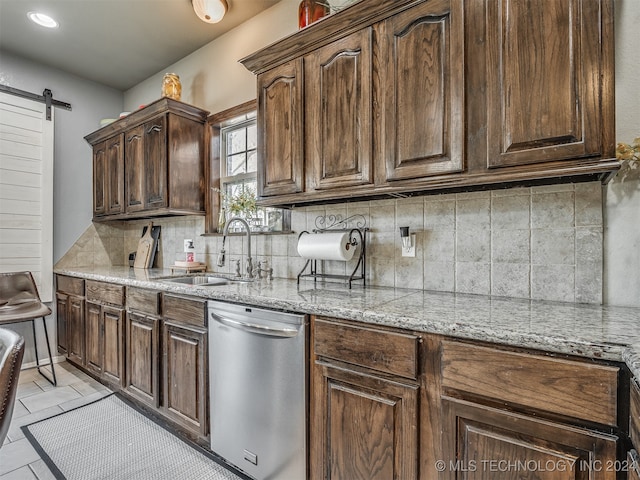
(326, 246)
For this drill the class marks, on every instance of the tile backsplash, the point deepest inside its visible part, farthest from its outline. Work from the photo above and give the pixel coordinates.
(539, 242)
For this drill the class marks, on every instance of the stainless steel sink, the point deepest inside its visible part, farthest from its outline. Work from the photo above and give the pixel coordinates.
(203, 280)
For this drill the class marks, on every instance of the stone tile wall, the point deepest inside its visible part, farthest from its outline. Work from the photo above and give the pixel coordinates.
(539, 242)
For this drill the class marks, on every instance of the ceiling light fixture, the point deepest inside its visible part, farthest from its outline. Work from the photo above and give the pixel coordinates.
(210, 11)
(42, 19)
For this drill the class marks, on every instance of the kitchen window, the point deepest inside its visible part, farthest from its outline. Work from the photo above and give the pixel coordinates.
(233, 173)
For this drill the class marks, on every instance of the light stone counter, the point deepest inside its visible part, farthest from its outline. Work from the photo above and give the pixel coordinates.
(593, 331)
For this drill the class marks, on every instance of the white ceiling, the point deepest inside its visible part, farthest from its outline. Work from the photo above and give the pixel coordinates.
(117, 43)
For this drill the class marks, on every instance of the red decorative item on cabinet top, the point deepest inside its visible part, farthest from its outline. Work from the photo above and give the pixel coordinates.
(310, 11)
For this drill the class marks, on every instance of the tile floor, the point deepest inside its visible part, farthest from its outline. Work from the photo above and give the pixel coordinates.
(38, 399)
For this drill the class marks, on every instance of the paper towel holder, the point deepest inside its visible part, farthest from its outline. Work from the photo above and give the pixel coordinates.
(357, 236)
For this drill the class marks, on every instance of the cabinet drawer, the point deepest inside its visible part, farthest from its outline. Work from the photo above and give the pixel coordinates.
(105, 292)
(634, 409)
(581, 390)
(143, 301)
(71, 285)
(185, 310)
(387, 352)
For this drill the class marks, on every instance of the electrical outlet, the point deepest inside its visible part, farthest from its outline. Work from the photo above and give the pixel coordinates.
(411, 250)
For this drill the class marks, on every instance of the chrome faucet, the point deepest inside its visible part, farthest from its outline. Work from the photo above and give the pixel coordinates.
(221, 256)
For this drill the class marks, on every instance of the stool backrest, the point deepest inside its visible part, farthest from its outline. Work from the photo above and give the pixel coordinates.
(17, 286)
(11, 353)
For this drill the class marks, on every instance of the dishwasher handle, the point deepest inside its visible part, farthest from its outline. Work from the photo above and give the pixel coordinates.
(254, 327)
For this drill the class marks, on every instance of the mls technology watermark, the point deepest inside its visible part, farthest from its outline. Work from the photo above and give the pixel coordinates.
(561, 465)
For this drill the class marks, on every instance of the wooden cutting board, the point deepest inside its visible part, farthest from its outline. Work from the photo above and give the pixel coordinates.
(145, 247)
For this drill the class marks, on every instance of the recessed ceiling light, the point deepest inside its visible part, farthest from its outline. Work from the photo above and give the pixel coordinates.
(42, 19)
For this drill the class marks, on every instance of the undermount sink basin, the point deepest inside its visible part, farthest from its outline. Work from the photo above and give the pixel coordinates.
(204, 280)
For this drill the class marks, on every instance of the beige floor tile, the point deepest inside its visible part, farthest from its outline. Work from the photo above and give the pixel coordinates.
(88, 387)
(16, 454)
(79, 402)
(49, 399)
(15, 430)
(26, 389)
(22, 473)
(41, 470)
(19, 410)
(28, 375)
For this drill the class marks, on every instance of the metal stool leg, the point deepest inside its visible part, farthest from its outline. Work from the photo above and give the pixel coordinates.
(53, 382)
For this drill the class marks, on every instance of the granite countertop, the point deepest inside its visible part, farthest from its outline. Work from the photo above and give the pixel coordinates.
(592, 331)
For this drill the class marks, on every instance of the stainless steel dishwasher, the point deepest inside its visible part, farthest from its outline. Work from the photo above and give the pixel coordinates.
(258, 390)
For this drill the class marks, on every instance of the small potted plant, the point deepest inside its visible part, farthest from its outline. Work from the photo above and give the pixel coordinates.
(242, 203)
(629, 157)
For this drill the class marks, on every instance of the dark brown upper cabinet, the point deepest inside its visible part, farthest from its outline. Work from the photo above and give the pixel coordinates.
(421, 91)
(280, 125)
(403, 97)
(544, 68)
(153, 159)
(338, 127)
(146, 170)
(108, 167)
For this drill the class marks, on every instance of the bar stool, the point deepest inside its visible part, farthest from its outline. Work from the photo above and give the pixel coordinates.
(20, 302)
(11, 352)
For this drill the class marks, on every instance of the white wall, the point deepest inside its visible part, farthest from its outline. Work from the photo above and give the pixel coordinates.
(211, 77)
(622, 205)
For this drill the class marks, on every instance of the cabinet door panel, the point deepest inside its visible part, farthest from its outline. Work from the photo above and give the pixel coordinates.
(422, 86)
(75, 329)
(62, 321)
(134, 168)
(543, 81)
(93, 340)
(155, 171)
(363, 427)
(114, 171)
(113, 319)
(99, 185)
(280, 113)
(483, 443)
(142, 379)
(338, 134)
(184, 376)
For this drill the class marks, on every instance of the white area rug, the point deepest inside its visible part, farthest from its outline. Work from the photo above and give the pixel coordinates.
(109, 439)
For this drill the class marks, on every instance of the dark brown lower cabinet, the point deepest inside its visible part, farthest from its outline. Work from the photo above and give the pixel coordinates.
(185, 375)
(75, 329)
(70, 317)
(363, 426)
(485, 443)
(62, 314)
(143, 362)
(94, 339)
(104, 341)
(113, 344)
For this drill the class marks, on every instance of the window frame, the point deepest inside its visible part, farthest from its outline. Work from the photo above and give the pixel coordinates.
(214, 169)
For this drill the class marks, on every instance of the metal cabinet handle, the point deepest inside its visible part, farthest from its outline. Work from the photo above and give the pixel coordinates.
(255, 328)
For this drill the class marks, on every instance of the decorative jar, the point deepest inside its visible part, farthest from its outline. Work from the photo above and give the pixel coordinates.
(171, 86)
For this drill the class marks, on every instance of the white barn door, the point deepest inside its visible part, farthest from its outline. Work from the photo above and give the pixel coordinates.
(26, 190)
